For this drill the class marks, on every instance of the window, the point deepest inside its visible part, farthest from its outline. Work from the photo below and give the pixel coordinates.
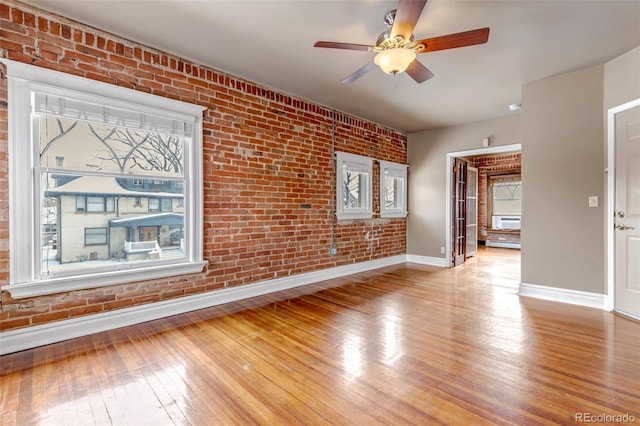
(106, 135)
(505, 195)
(354, 186)
(393, 189)
(136, 182)
(94, 236)
(160, 205)
(93, 204)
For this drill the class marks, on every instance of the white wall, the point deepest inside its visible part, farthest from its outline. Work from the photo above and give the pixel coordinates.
(426, 154)
(622, 79)
(563, 240)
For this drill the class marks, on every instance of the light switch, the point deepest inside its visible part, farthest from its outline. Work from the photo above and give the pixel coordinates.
(593, 201)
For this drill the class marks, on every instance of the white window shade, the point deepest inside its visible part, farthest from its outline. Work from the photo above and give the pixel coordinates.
(82, 110)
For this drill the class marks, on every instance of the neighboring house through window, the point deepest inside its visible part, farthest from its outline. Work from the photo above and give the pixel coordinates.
(100, 151)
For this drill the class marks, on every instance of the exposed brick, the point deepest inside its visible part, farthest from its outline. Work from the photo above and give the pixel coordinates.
(266, 153)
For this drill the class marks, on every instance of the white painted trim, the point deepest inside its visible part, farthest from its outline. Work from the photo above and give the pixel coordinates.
(447, 201)
(610, 195)
(25, 278)
(563, 295)
(502, 244)
(38, 335)
(427, 260)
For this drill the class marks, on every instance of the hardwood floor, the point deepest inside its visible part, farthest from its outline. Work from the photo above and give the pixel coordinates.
(407, 344)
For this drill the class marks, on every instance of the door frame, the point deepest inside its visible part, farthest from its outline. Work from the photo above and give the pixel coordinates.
(451, 158)
(609, 298)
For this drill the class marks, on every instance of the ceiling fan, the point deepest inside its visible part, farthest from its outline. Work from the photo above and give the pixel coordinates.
(396, 48)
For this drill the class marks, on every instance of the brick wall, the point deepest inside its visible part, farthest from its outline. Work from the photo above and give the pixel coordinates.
(265, 154)
(491, 165)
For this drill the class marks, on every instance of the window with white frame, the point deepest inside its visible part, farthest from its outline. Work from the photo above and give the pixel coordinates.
(354, 186)
(393, 189)
(115, 144)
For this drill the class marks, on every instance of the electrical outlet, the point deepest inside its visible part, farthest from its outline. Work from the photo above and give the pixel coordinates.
(593, 201)
(441, 250)
(333, 251)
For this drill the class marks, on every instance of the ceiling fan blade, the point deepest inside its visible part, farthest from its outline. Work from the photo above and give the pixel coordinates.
(419, 72)
(347, 46)
(356, 75)
(451, 41)
(407, 15)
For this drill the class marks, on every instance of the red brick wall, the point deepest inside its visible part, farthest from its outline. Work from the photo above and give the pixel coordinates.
(265, 154)
(491, 165)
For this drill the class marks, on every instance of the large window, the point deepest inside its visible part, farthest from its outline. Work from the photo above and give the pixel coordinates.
(354, 186)
(393, 189)
(98, 149)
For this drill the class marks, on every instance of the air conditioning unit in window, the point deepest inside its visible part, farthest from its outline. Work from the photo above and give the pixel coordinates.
(505, 222)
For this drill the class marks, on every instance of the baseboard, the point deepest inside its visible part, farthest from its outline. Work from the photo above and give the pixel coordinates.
(502, 244)
(574, 297)
(39, 335)
(427, 260)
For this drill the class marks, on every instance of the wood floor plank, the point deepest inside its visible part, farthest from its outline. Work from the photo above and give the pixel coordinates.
(407, 344)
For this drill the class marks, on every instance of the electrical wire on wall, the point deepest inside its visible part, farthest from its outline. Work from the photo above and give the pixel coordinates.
(333, 250)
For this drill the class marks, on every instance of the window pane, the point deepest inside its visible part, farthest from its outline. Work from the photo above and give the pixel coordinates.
(95, 236)
(166, 205)
(393, 188)
(354, 182)
(506, 199)
(122, 232)
(154, 205)
(80, 146)
(95, 204)
(81, 203)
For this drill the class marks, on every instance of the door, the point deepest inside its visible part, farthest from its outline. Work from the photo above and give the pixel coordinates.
(472, 211)
(459, 226)
(627, 212)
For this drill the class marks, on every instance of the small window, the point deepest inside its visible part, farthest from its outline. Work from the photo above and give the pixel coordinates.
(95, 236)
(393, 189)
(136, 182)
(81, 203)
(354, 186)
(154, 205)
(165, 205)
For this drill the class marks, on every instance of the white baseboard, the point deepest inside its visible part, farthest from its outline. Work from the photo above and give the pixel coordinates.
(58, 331)
(502, 244)
(427, 260)
(574, 297)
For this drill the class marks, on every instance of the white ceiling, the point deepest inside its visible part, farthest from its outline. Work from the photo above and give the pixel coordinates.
(271, 42)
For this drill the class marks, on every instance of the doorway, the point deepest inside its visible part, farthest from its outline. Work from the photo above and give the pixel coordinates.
(623, 209)
(463, 232)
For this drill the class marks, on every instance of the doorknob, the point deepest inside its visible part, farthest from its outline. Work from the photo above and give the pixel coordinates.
(622, 227)
(618, 214)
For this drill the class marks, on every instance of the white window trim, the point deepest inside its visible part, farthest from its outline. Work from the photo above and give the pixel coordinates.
(363, 165)
(23, 79)
(387, 168)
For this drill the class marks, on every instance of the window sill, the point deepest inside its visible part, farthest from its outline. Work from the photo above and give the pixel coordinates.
(392, 214)
(354, 216)
(63, 284)
(503, 231)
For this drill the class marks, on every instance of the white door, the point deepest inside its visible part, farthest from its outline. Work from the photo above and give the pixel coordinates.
(627, 212)
(472, 211)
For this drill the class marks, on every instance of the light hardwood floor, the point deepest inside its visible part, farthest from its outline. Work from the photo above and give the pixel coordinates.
(407, 344)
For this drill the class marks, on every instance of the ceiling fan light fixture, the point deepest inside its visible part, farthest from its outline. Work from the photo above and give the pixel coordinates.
(394, 61)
